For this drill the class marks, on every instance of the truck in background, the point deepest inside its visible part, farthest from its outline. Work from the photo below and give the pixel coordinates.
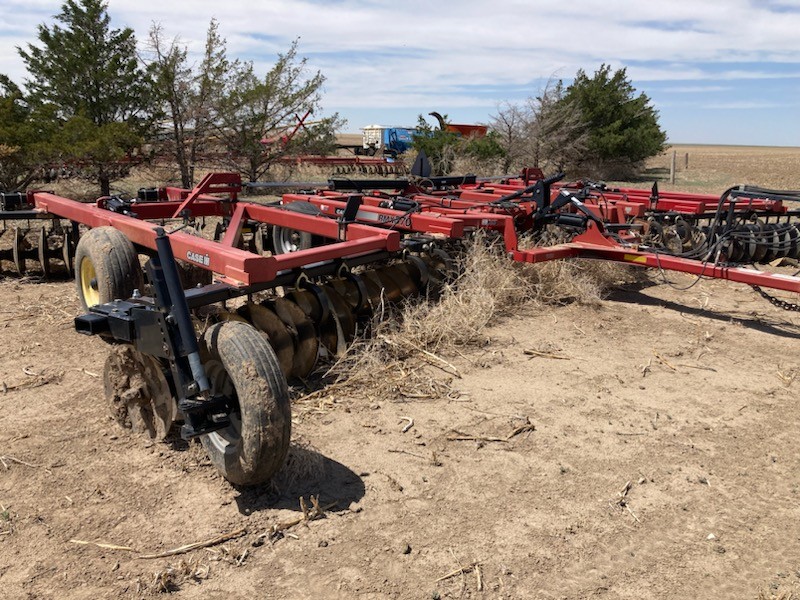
(391, 141)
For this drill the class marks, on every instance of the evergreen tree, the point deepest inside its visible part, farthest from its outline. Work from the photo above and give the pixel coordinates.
(18, 138)
(89, 76)
(623, 127)
(439, 145)
(444, 148)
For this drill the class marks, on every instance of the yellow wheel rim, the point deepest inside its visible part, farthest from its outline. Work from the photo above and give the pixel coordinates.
(89, 282)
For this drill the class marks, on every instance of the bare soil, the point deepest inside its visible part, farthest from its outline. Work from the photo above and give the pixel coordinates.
(713, 169)
(645, 447)
(661, 463)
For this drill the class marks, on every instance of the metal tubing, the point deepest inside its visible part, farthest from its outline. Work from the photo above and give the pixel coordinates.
(179, 309)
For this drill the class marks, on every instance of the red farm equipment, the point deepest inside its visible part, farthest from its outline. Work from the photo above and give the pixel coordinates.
(373, 165)
(460, 129)
(338, 252)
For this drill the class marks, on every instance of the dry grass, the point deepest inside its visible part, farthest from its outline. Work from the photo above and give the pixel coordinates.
(171, 578)
(775, 595)
(407, 353)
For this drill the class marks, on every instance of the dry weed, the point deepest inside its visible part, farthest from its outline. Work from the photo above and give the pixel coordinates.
(172, 577)
(583, 281)
(399, 359)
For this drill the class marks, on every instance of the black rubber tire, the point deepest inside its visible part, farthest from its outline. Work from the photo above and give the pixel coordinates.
(242, 363)
(115, 262)
(285, 239)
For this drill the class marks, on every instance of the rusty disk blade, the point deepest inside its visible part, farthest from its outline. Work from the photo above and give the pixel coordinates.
(373, 292)
(441, 261)
(68, 252)
(267, 322)
(322, 314)
(391, 291)
(44, 253)
(138, 393)
(414, 267)
(438, 272)
(329, 334)
(306, 344)
(308, 303)
(407, 286)
(346, 329)
(347, 290)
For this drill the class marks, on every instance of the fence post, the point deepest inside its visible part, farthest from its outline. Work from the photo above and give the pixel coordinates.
(672, 167)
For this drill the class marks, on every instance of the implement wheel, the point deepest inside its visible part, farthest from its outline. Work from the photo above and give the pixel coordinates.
(286, 239)
(242, 365)
(106, 267)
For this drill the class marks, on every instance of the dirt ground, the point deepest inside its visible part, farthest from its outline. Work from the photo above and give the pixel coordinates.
(712, 169)
(661, 463)
(644, 447)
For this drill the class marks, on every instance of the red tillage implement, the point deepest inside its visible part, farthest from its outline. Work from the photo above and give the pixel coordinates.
(338, 254)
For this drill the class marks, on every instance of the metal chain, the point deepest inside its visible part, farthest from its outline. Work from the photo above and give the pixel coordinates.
(777, 301)
(768, 297)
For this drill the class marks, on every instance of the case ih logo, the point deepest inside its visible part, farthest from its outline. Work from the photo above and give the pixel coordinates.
(200, 259)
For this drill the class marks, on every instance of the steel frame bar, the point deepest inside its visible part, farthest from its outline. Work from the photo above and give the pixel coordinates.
(593, 244)
(237, 267)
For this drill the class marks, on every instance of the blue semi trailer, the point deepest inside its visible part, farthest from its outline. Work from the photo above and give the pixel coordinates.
(390, 141)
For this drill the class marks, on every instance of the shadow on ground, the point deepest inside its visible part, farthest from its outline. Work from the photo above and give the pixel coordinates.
(634, 295)
(307, 473)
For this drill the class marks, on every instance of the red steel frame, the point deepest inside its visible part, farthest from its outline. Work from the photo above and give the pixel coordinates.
(235, 266)
(681, 202)
(593, 244)
(472, 206)
(378, 228)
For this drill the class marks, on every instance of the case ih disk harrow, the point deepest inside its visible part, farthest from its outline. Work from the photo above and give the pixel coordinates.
(338, 253)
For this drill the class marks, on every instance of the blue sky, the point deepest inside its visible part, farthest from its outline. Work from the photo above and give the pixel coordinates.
(718, 71)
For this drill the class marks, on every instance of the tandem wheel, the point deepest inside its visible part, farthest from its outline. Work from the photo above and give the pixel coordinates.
(286, 239)
(106, 267)
(242, 365)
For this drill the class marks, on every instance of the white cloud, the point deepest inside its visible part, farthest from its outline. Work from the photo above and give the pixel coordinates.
(451, 45)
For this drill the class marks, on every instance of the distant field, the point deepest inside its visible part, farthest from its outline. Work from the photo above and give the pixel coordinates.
(715, 168)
